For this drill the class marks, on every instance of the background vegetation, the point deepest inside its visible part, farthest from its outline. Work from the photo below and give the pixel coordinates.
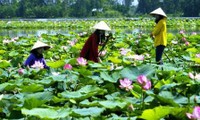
(94, 8)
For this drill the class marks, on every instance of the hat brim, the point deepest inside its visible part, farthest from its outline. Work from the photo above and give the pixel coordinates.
(45, 48)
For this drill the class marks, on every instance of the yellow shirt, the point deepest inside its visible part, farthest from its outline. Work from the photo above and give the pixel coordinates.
(160, 33)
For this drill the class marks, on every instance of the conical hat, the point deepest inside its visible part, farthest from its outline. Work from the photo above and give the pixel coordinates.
(158, 11)
(40, 44)
(101, 26)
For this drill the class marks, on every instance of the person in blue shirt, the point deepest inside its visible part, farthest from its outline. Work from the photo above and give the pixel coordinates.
(36, 58)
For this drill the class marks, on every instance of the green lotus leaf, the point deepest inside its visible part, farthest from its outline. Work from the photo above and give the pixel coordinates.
(197, 60)
(87, 103)
(56, 64)
(113, 104)
(133, 72)
(13, 54)
(59, 78)
(166, 97)
(156, 113)
(83, 93)
(7, 87)
(2, 51)
(4, 63)
(47, 113)
(32, 88)
(115, 60)
(36, 99)
(160, 112)
(114, 78)
(91, 111)
(193, 50)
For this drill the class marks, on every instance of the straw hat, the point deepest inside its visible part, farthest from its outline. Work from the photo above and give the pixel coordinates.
(101, 26)
(40, 44)
(158, 11)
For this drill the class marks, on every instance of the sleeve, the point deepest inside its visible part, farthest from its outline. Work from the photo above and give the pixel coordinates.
(45, 65)
(158, 28)
(29, 61)
(95, 46)
(85, 48)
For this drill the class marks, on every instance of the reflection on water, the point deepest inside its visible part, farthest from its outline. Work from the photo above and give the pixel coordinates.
(38, 32)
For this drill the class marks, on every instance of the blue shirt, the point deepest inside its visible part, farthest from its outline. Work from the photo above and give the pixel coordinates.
(32, 58)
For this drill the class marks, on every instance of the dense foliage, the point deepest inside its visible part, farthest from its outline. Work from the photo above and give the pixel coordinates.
(92, 91)
(94, 8)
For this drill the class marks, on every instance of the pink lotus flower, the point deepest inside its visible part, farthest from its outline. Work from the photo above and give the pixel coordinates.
(184, 39)
(81, 61)
(124, 51)
(174, 42)
(21, 71)
(142, 80)
(182, 32)
(38, 64)
(126, 83)
(138, 57)
(187, 43)
(198, 55)
(147, 86)
(195, 115)
(67, 66)
(192, 76)
(103, 53)
(194, 33)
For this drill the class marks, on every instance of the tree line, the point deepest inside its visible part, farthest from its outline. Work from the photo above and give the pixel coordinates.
(94, 8)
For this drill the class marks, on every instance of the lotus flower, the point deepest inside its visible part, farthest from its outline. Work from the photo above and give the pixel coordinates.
(124, 51)
(81, 61)
(187, 43)
(197, 76)
(195, 115)
(103, 53)
(1, 96)
(6, 41)
(147, 85)
(194, 33)
(126, 83)
(182, 32)
(198, 55)
(142, 80)
(38, 64)
(21, 71)
(55, 73)
(184, 39)
(138, 57)
(174, 42)
(67, 66)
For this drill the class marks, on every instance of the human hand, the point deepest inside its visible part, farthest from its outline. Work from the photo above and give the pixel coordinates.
(152, 36)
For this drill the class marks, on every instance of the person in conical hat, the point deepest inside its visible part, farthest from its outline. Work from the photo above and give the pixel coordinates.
(159, 33)
(36, 56)
(90, 48)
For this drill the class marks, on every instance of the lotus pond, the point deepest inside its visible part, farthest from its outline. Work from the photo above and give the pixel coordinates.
(127, 84)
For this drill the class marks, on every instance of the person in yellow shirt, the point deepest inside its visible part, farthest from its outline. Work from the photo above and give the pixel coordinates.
(159, 33)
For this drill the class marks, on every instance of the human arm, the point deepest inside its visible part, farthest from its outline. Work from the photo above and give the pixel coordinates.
(30, 60)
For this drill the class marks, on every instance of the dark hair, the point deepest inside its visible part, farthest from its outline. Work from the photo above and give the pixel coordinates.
(159, 18)
(38, 55)
(101, 37)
